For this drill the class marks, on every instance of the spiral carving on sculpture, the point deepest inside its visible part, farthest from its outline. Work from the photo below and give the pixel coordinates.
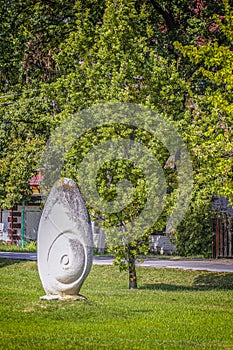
(66, 258)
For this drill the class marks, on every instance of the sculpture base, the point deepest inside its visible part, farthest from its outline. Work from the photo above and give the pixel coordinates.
(64, 297)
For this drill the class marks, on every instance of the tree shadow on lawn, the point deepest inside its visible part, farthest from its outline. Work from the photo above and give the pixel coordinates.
(8, 262)
(203, 282)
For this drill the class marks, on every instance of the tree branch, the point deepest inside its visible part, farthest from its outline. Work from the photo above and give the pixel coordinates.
(167, 16)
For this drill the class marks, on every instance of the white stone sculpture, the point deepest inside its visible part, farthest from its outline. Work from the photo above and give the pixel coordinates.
(65, 242)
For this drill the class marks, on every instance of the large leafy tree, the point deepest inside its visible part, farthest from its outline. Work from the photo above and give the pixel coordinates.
(208, 128)
(31, 32)
(210, 111)
(31, 35)
(69, 56)
(114, 61)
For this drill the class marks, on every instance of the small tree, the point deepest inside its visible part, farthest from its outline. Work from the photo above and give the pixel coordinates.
(111, 63)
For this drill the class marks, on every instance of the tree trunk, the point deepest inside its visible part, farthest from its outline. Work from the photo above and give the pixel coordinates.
(132, 273)
(167, 15)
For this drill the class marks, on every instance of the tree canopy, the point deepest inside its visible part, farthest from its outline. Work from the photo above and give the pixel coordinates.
(58, 58)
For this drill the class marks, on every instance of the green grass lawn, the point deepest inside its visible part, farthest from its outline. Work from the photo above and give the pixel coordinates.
(28, 248)
(172, 309)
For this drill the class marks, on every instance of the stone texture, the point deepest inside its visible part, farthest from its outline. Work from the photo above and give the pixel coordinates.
(65, 242)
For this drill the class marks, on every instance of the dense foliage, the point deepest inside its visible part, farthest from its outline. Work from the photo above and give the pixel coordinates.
(209, 130)
(59, 57)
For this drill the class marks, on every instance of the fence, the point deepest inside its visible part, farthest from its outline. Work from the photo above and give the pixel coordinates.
(222, 242)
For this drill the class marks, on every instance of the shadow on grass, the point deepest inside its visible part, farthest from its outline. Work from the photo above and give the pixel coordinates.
(214, 281)
(203, 282)
(8, 262)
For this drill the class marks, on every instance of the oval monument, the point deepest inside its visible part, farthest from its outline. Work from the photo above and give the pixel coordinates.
(65, 242)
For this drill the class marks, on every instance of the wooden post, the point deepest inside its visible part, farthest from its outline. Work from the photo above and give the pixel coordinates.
(229, 237)
(225, 236)
(217, 237)
(221, 237)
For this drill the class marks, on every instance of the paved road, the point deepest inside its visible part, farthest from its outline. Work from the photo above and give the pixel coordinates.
(21, 256)
(205, 265)
(185, 264)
